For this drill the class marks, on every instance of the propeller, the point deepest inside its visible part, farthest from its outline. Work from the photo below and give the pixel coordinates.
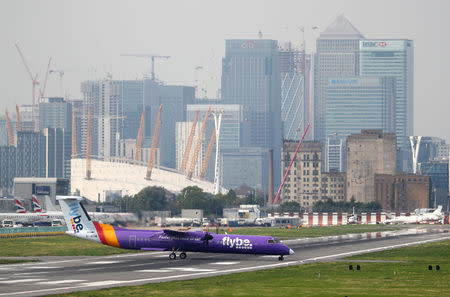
(207, 238)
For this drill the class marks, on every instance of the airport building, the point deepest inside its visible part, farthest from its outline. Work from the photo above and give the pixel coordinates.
(402, 192)
(368, 153)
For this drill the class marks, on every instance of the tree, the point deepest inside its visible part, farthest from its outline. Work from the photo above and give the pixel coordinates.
(290, 206)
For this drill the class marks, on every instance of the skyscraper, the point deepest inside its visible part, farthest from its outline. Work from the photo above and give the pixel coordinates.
(337, 56)
(394, 58)
(251, 78)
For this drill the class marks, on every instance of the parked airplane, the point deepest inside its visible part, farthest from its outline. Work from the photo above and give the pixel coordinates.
(417, 218)
(80, 225)
(105, 217)
(21, 215)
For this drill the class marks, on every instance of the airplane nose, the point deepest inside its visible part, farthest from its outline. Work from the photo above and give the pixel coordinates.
(291, 252)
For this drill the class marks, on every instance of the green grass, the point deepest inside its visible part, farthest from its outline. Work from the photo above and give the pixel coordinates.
(410, 278)
(311, 231)
(15, 261)
(63, 245)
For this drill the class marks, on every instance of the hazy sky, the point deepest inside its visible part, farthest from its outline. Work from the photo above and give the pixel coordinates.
(86, 39)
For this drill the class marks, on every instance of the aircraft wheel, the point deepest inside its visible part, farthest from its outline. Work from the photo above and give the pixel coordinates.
(172, 256)
(183, 256)
(280, 258)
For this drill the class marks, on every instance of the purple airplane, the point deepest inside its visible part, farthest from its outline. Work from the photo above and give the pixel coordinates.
(80, 225)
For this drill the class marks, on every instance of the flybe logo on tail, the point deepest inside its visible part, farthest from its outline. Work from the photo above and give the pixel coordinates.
(237, 243)
(75, 219)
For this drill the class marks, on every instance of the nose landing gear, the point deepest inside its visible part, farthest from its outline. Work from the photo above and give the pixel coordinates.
(280, 258)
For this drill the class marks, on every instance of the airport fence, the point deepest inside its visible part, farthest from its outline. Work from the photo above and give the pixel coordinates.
(31, 231)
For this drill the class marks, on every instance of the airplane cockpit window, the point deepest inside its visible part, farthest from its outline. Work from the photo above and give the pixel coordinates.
(274, 240)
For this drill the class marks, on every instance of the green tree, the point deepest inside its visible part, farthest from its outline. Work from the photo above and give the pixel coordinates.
(290, 206)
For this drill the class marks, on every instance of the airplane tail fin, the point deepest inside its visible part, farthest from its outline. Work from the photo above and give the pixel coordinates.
(48, 204)
(19, 206)
(36, 206)
(438, 210)
(77, 219)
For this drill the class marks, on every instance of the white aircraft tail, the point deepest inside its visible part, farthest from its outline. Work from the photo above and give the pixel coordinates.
(19, 206)
(78, 222)
(36, 206)
(438, 211)
(48, 204)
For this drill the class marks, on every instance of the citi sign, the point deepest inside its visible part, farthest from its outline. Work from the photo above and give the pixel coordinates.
(374, 43)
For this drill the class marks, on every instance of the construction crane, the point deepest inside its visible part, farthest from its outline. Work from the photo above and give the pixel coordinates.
(187, 150)
(151, 159)
(208, 154)
(88, 146)
(152, 60)
(8, 127)
(74, 136)
(137, 156)
(198, 146)
(61, 75)
(34, 82)
(19, 123)
(42, 91)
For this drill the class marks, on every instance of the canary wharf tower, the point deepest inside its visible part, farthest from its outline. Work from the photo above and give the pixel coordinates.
(251, 78)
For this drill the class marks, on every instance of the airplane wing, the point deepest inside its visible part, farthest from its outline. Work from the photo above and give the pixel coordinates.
(153, 249)
(175, 233)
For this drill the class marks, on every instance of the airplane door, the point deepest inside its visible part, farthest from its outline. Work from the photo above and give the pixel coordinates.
(132, 241)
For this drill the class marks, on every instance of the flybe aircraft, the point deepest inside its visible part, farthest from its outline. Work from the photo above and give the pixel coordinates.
(80, 225)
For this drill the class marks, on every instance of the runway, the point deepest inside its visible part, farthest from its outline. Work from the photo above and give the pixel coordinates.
(69, 274)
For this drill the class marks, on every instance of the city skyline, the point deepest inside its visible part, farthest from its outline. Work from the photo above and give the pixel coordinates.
(53, 28)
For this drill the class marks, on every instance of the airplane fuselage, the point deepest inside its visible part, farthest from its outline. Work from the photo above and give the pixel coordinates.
(160, 240)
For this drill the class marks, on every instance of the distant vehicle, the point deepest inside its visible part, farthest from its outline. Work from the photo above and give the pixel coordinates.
(435, 216)
(7, 224)
(80, 225)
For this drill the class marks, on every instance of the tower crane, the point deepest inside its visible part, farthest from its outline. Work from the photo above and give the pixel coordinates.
(42, 91)
(61, 75)
(187, 150)
(152, 60)
(151, 159)
(34, 82)
(198, 146)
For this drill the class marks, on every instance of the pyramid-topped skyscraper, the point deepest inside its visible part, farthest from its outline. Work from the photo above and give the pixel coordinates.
(341, 28)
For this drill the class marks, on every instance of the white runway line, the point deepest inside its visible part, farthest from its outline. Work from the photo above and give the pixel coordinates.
(42, 267)
(225, 263)
(28, 273)
(141, 264)
(102, 283)
(26, 280)
(154, 270)
(104, 262)
(67, 281)
(191, 269)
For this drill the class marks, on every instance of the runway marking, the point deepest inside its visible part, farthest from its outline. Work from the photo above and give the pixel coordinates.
(191, 269)
(153, 270)
(225, 263)
(129, 282)
(42, 267)
(87, 269)
(26, 280)
(103, 283)
(67, 281)
(28, 273)
(141, 264)
(104, 262)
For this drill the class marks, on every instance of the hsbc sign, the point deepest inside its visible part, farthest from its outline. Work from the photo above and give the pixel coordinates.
(379, 45)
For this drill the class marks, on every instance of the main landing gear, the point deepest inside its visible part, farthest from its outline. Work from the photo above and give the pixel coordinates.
(173, 256)
(280, 258)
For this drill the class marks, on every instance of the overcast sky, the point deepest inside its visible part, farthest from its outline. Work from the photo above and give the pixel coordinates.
(86, 39)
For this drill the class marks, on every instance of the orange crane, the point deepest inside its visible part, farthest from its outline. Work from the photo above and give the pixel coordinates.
(8, 127)
(74, 136)
(208, 154)
(19, 123)
(88, 146)
(137, 156)
(198, 146)
(187, 150)
(151, 159)
(34, 81)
